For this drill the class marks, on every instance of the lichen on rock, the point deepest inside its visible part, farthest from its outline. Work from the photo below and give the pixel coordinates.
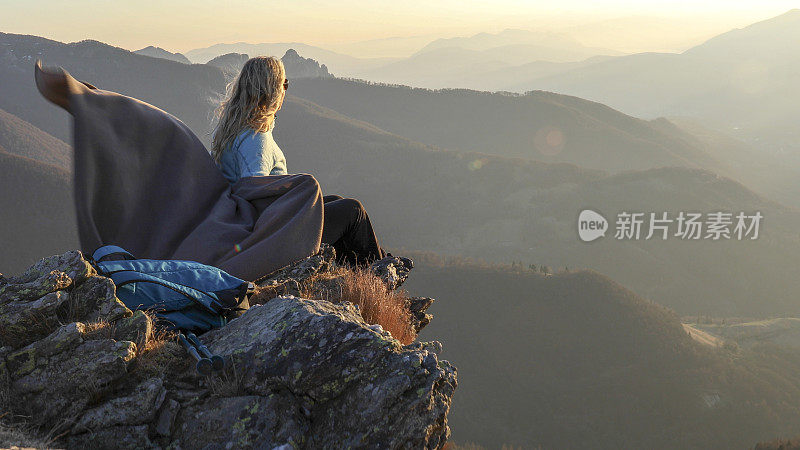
(307, 373)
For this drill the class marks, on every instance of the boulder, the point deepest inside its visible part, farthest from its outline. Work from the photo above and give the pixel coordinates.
(48, 275)
(393, 270)
(301, 373)
(417, 307)
(139, 408)
(356, 384)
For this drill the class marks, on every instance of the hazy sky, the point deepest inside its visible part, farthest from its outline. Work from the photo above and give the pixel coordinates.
(180, 25)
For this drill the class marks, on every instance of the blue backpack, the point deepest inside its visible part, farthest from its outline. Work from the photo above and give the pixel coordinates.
(184, 295)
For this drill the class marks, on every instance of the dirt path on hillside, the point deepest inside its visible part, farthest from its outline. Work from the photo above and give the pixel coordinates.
(702, 337)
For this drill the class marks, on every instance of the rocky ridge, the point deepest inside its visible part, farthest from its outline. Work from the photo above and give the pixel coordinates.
(296, 66)
(158, 52)
(76, 363)
(299, 67)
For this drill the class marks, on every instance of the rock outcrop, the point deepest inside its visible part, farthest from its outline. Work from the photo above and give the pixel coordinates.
(76, 363)
(296, 66)
(299, 67)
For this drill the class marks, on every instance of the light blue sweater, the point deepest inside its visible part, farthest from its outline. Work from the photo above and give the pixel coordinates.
(253, 153)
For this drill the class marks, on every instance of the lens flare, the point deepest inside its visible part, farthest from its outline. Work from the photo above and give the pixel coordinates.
(478, 163)
(549, 141)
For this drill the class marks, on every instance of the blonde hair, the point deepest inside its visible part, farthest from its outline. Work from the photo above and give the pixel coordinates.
(251, 100)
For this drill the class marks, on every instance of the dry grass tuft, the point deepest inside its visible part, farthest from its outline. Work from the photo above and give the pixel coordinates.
(37, 326)
(94, 391)
(161, 354)
(464, 446)
(263, 294)
(100, 329)
(230, 383)
(21, 435)
(378, 305)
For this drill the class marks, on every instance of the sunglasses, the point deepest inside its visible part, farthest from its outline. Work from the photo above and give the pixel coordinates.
(286, 84)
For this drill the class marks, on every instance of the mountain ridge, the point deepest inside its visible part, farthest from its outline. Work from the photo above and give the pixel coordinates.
(518, 124)
(38, 212)
(561, 356)
(336, 62)
(741, 82)
(158, 52)
(24, 139)
(494, 207)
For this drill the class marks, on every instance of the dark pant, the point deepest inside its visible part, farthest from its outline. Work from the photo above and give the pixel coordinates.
(348, 229)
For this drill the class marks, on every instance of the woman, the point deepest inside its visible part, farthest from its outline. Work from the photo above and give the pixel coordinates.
(243, 146)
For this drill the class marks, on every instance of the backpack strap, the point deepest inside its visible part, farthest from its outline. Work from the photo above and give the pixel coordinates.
(107, 250)
(204, 299)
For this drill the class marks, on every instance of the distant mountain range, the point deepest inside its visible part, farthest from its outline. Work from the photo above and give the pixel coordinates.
(392, 47)
(435, 64)
(468, 61)
(340, 64)
(639, 33)
(467, 201)
(743, 82)
(529, 46)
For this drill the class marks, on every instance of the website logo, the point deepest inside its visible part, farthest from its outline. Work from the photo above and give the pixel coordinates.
(634, 226)
(591, 225)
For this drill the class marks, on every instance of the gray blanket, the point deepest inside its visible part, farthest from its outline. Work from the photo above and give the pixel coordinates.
(145, 182)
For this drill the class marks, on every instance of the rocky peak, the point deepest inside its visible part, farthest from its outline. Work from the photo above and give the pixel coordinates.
(296, 66)
(299, 67)
(75, 362)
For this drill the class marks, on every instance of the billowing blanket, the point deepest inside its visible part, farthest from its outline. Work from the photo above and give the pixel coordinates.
(145, 182)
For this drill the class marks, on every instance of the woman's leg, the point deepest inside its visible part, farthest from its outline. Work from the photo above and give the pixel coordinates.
(348, 229)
